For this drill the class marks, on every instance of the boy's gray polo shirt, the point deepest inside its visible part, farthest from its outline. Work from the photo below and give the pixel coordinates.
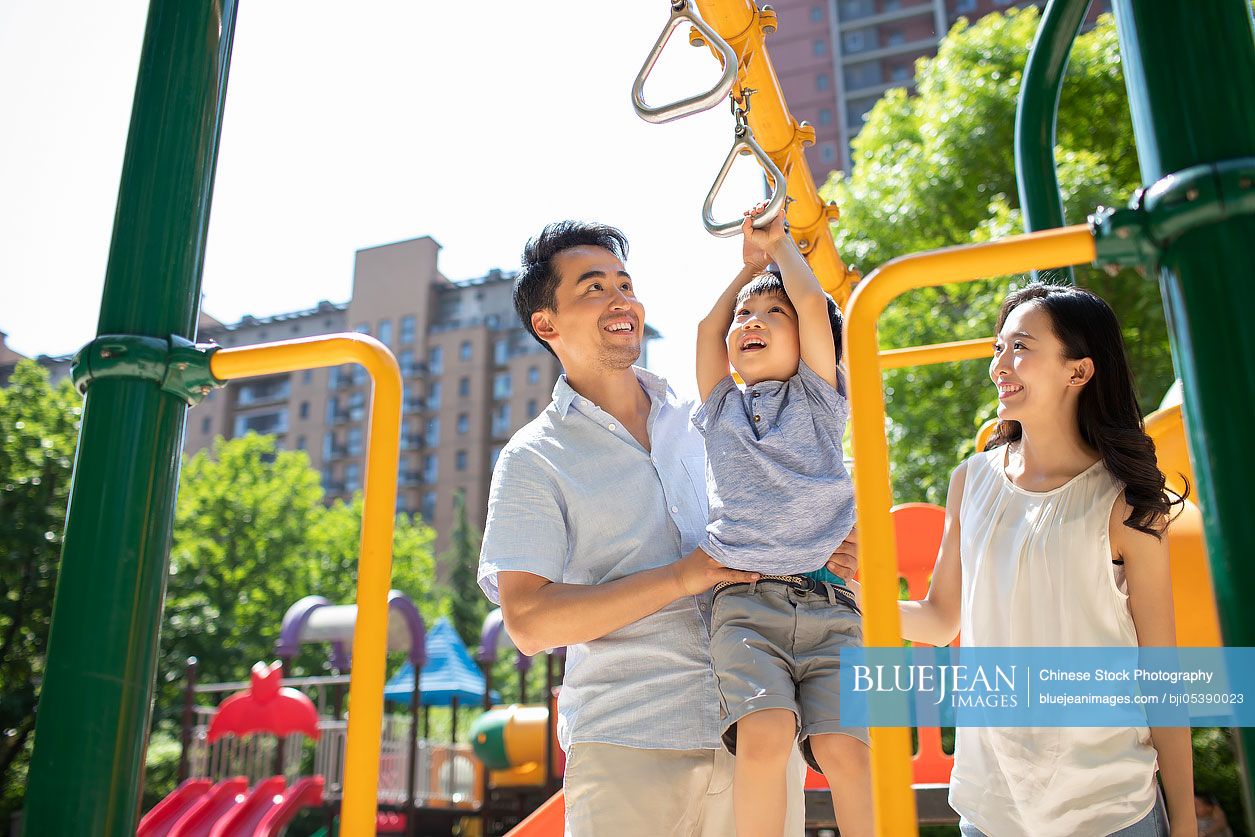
(780, 498)
(575, 499)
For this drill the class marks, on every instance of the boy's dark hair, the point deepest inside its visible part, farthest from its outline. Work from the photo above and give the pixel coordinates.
(769, 283)
(535, 287)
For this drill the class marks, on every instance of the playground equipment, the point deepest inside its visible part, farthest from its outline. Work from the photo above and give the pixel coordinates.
(1190, 227)
(228, 808)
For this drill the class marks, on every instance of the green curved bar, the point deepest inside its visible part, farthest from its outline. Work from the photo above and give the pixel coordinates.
(1037, 111)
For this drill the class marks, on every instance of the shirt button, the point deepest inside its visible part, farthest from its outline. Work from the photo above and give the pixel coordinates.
(754, 393)
(758, 418)
(611, 426)
(675, 509)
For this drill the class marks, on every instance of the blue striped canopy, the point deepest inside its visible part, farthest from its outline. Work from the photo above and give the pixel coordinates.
(448, 673)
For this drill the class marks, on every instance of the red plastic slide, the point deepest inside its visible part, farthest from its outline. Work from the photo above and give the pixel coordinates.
(213, 806)
(167, 812)
(545, 821)
(242, 820)
(307, 792)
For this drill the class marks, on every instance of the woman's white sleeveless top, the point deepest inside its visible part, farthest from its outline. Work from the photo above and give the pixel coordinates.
(1037, 571)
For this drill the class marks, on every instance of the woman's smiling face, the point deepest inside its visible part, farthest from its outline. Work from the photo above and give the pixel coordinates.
(1029, 366)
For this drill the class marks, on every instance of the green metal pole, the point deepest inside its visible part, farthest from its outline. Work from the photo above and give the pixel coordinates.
(1190, 73)
(87, 767)
(1037, 113)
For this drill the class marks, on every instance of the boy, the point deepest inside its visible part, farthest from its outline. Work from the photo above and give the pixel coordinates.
(780, 500)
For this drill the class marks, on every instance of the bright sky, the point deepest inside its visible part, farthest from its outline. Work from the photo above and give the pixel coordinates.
(352, 125)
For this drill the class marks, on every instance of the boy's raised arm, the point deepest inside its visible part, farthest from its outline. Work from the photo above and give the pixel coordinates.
(814, 330)
(712, 334)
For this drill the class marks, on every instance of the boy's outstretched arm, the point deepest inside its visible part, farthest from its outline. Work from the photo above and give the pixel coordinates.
(814, 330)
(712, 331)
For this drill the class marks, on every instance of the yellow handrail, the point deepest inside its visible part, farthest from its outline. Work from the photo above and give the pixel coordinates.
(742, 24)
(893, 799)
(374, 565)
(982, 347)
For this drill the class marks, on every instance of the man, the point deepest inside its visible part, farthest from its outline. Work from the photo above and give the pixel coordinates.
(596, 509)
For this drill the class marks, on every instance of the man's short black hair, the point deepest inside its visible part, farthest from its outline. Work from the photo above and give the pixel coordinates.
(769, 283)
(536, 286)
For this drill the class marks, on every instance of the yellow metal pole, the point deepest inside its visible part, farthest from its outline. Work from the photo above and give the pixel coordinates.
(374, 566)
(743, 25)
(893, 799)
(936, 353)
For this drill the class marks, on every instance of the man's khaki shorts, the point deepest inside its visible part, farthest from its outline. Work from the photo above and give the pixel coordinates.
(776, 646)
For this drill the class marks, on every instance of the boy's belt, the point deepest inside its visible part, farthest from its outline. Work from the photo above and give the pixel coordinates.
(797, 582)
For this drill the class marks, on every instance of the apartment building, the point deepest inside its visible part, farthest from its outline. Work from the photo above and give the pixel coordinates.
(835, 58)
(472, 377)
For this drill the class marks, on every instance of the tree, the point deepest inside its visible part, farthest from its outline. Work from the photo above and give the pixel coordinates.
(467, 603)
(38, 432)
(937, 169)
(251, 537)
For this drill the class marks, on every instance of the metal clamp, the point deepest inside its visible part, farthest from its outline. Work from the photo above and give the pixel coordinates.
(1171, 207)
(744, 143)
(681, 14)
(179, 366)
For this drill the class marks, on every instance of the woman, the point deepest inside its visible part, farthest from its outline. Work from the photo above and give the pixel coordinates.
(1054, 536)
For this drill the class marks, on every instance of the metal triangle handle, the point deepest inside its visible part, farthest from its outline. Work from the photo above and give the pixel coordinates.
(681, 13)
(744, 142)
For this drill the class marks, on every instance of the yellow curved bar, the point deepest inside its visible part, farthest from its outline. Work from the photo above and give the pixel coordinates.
(741, 23)
(374, 565)
(982, 347)
(892, 795)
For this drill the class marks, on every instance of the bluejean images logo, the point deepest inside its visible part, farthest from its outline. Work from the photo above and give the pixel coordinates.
(1048, 687)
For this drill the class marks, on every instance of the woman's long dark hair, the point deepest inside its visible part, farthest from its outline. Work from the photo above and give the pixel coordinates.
(1110, 420)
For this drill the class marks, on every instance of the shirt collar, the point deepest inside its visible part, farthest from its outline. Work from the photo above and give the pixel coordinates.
(564, 394)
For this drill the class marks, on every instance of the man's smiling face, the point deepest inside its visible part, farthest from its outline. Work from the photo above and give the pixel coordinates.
(598, 319)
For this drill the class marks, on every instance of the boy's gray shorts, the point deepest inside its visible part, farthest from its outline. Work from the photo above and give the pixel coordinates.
(775, 646)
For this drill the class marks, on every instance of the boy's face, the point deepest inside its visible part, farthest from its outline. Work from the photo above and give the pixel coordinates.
(763, 340)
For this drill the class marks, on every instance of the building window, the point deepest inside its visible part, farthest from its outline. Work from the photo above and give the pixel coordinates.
(433, 433)
(533, 374)
(825, 116)
(827, 153)
(464, 422)
(205, 424)
(428, 509)
(893, 37)
(352, 477)
(817, 14)
(433, 395)
(328, 444)
(300, 443)
(464, 351)
(265, 390)
(307, 377)
(407, 329)
(819, 48)
(362, 328)
(822, 81)
(965, 5)
(431, 468)
(304, 409)
(501, 385)
(464, 387)
(501, 352)
(406, 362)
(385, 332)
(496, 452)
(435, 360)
(891, 5)
(501, 420)
(853, 9)
(353, 441)
(461, 460)
(272, 422)
(900, 72)
(867, 74)
(532, 408)
(855, 41)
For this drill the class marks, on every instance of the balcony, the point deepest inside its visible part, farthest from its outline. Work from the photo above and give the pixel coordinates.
(920, 45)
(410, 479)
(413, 441)
(888, 16)
(353, 414)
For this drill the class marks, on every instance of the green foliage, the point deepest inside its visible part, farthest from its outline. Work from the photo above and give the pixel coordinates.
(38, 432)
(251, 537)
(1216, 772)
(937, 169)
(467, 604)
